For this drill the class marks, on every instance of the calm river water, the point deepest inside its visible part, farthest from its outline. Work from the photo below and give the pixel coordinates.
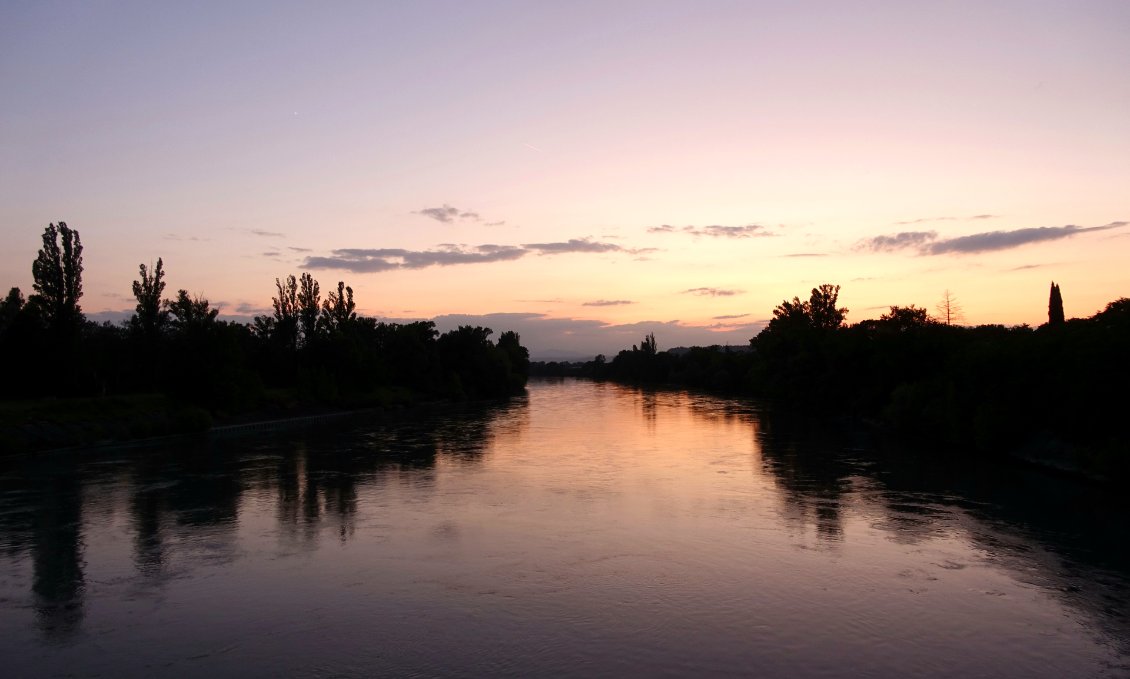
(582, 530)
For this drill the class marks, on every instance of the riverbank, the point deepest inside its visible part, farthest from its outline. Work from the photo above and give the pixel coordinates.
(57, 423)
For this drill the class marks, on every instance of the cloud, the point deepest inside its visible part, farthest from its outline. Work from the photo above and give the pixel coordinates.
(500, 223)
(1026, 266)
(732, 231)
(1003, 240)
(712, 292)
(371, 260)
(445, 214)
(728, 317)
(715, 230)
(112, 316)
(898, 241)
(361, 260)
(807, 254)
(259, 232)
(923, 220)
(608, 302)
(177, 236)
(573, 245)
(248, 309)
(294, 249)
(448, 214)
(927, 243)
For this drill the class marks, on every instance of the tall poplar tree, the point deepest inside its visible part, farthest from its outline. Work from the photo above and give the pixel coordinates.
(309, 306)
(57, 276)
(150, 318)
(286, 312)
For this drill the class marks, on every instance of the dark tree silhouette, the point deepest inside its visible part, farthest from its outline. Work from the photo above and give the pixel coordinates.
(339, 309)
(150, 317)
(819, 312)
(309, 305)
(12, 305)
(822, 307)
(57, 274)
(190, 313)
(510, 343)
(1055, 306)
(286, 311)
(905, 318)
(648, 346)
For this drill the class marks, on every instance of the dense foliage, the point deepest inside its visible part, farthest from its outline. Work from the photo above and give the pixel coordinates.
(318, 351)
(1056, 393)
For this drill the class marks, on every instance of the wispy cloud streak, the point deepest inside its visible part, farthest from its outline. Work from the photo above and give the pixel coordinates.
(927, 242)
(712, 292)
(361, 260)
(924, 220)
(375, 260)
(582, 245)
(715, 230)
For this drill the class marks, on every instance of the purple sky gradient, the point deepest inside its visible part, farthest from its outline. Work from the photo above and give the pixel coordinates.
(244, 141)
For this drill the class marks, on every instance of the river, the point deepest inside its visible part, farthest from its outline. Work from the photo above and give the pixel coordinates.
(583, 529)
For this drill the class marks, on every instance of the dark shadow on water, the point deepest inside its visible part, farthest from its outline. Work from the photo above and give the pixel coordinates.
(195, 487)
(41, 515)
(1065, 535)
(57, 554)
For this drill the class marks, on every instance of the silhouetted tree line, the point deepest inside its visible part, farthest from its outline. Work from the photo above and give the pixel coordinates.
(322, 350)
(1056, 393)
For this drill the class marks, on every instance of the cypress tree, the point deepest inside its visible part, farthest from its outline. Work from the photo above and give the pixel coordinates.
(1055, 306)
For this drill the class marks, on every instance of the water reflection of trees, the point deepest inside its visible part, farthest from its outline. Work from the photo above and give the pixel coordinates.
(1055, 533)
(181, 486)
(320, 476)
(813, 485)
(57, 557)
(179, 491)
(41, 519)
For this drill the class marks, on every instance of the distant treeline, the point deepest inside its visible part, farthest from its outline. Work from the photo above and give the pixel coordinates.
(319, 350)
(1057, 393)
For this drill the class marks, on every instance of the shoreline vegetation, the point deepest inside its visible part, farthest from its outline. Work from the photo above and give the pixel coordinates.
(174, 367)
(1053, 396)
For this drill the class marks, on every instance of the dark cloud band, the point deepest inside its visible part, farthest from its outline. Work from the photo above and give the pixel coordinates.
(927, 242)
(374, 260)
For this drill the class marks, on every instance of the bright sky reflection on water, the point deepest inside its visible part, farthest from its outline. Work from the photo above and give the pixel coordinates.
(585, 529)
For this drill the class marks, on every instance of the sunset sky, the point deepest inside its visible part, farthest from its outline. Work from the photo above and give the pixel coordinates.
(582, 172)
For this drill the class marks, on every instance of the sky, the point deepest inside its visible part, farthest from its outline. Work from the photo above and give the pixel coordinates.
(581, 172)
